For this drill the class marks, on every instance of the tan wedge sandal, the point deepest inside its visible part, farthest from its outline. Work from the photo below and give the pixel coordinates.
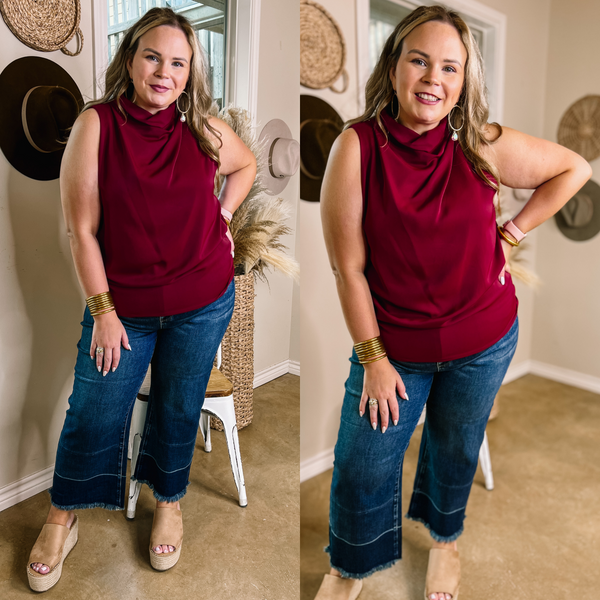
(51, 548)
(167, 530)
(443, 573)
(338, 588)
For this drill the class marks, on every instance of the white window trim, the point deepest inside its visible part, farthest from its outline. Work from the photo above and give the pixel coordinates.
(491, 22)
(241, 53)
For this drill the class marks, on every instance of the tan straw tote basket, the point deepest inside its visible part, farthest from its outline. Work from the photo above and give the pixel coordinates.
(238, 352)
(44, 25)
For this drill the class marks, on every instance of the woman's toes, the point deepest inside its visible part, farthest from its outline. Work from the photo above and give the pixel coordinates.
(158, 550)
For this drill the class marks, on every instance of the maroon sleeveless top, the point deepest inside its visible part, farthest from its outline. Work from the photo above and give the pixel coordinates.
(433, 251)
(161, 234)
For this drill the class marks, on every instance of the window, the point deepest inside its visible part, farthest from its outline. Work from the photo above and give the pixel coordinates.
(208, 18)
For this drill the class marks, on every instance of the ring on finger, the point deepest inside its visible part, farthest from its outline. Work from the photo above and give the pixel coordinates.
(99, 350)
(373, 402)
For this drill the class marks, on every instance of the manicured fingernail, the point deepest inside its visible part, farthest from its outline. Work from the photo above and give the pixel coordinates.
(383, 429)
(114, 369)
(361, 412)
(99, 368)
(128, 346)
(502, 280)
(406, 396)
(104, 374)
(396, 422)
(374, 426)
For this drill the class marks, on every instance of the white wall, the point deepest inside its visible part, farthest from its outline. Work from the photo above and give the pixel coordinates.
(40, 301)
(566, 331)
(278, 75)
(326, 344)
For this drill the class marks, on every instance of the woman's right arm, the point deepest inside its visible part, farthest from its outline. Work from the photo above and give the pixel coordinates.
(342, 212)
(80, 198)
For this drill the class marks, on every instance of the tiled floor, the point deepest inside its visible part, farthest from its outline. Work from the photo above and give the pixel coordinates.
(535, 536)
(228, 553)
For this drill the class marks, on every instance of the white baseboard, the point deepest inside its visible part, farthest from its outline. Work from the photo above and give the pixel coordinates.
(20, 490)
(270, 373)
(316, 465)
(516, 371)
(574, 378)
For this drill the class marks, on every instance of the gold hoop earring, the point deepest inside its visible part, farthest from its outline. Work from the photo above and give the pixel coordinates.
(462, 122)
(183, 112)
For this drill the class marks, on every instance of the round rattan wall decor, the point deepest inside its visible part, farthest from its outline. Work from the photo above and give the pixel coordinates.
(322, 49)
(579, 129)
(47, 25)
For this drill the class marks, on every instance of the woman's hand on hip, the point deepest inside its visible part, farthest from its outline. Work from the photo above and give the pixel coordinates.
(108, 336)
(506, 247)
(381, 382)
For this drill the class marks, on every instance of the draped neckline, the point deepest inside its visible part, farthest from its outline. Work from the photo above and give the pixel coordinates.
(429, 144)
(162, 122)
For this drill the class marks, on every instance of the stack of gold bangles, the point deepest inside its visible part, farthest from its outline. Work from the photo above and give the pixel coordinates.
(370, 351)
(100, 304)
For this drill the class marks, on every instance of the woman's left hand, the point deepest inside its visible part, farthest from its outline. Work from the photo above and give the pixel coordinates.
(230, 238)
(506, 247)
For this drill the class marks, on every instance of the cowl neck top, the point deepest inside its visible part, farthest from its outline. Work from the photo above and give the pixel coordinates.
(433, 252)
(161, 234)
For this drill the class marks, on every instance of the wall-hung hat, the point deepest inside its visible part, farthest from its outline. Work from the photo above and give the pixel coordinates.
(320, 124)
(281, 156)
(39, 106)
(579, 129)
(579, 218)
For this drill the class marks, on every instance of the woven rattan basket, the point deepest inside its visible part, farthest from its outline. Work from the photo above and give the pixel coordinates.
(238, 352)
(44, 25)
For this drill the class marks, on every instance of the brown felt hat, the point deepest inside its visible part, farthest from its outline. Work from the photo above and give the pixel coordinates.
(40, 104)
(320, 125)
(579, 218)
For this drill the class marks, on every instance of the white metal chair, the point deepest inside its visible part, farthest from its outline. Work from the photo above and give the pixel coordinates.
(218, 402)
(485, 460)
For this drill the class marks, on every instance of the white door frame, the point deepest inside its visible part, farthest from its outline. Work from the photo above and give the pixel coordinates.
(491, 24)
(241, 54)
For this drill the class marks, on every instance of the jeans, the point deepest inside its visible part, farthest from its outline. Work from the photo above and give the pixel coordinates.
(91, 460)
(365, 520)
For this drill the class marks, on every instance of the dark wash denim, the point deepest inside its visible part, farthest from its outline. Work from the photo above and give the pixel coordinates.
(365, 519)
(91, 460)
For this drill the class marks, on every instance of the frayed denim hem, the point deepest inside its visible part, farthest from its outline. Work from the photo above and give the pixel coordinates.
(434, 535)
(84, 506)
(348, 575)
(162, 498)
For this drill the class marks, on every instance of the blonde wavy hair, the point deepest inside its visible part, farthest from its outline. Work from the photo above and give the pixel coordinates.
(117, 81)
(472, 101)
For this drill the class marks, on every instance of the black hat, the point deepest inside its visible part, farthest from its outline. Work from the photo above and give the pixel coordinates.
(40, 104)
(320, 124)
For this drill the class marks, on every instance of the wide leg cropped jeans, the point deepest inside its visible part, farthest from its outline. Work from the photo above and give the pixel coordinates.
(91, 460)
(365, 522)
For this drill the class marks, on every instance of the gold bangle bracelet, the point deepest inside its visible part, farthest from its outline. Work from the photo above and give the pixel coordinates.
(501, 232)
(368, 362)
(370, 350)
(100, 304)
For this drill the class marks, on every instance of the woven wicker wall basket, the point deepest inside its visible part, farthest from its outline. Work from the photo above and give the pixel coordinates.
(238, 352)
(44, 25)
(579, 129)
(322, 49)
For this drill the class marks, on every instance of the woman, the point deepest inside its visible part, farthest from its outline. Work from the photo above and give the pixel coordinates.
(421, 272)
(151, 249)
